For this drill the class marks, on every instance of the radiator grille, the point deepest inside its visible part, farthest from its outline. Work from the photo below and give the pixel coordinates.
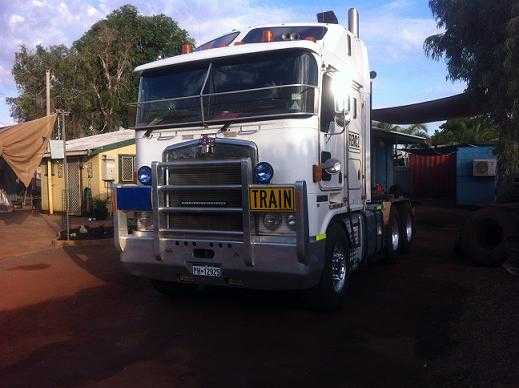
(197, 198)
(206, 198)
(205, 175)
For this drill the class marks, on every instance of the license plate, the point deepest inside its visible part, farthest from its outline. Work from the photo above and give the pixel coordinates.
(272, 199)
(207, 271)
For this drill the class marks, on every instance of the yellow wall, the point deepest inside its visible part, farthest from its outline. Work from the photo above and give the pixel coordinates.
(91, 175)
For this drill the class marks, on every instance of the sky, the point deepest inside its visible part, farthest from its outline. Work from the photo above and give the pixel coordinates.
(394, 32)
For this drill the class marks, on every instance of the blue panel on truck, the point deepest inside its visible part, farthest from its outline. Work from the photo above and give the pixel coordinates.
(134, 198)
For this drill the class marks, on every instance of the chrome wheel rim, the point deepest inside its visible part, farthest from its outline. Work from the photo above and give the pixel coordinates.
(338, 269)
(395, 237)
(409, 229)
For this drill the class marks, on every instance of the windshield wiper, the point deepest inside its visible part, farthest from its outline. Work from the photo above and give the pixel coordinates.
(224, 127)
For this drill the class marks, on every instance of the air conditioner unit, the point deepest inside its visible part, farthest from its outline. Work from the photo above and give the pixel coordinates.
(484, 167)
(108, 170)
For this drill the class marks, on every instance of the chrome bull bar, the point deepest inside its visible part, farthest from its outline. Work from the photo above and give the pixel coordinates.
(162, 188)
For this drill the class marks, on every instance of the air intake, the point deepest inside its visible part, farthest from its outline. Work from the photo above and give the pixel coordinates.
(327, 17)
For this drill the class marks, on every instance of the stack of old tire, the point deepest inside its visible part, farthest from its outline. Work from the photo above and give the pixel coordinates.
(488, 237)
(512, 263)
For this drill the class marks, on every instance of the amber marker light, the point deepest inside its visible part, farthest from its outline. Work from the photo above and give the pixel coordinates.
(186, 48)
(267, 36)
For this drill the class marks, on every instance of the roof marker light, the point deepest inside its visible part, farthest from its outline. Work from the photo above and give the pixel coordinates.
(267, 36)
(186, 48)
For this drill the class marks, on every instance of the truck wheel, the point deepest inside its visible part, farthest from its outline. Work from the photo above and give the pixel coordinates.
(484, 236)
(392, 236)
(328, 295)
(407, 227)
(172, 288)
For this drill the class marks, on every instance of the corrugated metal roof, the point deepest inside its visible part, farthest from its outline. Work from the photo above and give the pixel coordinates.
(397, 137)
(91, 143)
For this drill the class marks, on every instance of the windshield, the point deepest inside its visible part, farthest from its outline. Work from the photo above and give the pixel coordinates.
(266, 84)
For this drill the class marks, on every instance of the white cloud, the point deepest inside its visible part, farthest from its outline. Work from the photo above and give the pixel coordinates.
(398, 4)
(394, 37)
(15, 19)
(49, 22)
(91, 11)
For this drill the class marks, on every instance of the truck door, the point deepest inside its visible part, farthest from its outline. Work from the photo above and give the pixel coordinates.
(331, 139)
(355, 150)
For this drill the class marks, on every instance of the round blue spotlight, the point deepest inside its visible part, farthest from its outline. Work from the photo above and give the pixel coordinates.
(144, 175)
(263, 173)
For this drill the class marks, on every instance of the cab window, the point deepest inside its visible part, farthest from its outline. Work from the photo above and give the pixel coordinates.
(222, 41)
(327, 104)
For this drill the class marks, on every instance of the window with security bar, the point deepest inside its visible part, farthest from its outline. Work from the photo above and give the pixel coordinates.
(126, 168)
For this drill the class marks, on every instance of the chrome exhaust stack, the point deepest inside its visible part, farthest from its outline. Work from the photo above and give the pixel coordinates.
(353, 21)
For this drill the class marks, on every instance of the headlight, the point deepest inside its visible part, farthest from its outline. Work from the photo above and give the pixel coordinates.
(291, 221)
(272, 221)
(144, 175)
(263, 173)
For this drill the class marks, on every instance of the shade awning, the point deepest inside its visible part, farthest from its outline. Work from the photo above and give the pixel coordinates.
(22, 146)
(460, 105)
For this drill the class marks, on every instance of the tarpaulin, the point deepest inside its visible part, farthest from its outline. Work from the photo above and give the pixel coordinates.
(22, 146)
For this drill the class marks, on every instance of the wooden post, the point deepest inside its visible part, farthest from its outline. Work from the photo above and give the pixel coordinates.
(49, 186)
(49, 162)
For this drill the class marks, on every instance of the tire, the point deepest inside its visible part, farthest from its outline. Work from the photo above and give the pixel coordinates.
(484, 236)
(172, 289)
(328, 295)
(392, 236)
(407, 226)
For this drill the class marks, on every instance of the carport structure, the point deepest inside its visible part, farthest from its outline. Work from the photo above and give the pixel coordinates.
(384, 145)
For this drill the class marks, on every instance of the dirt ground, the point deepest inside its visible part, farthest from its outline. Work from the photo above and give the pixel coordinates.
(72, 317)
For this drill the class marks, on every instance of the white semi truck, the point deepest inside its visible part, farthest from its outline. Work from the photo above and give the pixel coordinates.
(253, 156)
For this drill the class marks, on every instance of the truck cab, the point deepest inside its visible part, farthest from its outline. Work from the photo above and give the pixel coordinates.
(254, 164)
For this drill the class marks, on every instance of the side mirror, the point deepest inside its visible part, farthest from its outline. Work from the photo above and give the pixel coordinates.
(332, 166)
(343, 119)
(342, 110)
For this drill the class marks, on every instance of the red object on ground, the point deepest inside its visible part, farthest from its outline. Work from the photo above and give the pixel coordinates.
(433, 175)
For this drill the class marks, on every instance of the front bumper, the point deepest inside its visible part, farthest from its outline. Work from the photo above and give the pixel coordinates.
(266, 262)
(266, 265)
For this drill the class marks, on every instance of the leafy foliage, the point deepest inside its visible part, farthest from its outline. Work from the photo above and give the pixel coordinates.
(465, 131)
(94, 78)
(29, 74)
(100, 209)
(480, 42)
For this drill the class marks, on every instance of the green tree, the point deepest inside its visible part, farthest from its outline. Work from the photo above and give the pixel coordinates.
(480, 42)
(109, 52)
(465, 131)
(29, 74)
(94, 78)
